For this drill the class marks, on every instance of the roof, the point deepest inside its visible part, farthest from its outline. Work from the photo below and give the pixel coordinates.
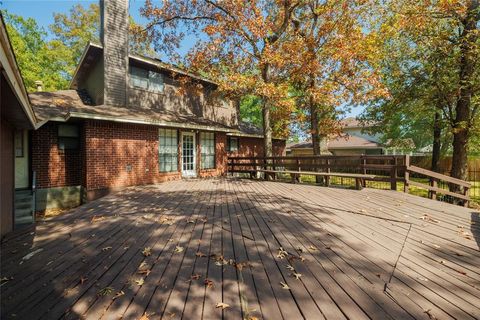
(74, 103)
(8, 63)
(94, 50)
(66, 104)
(352, 122)
(341, 142)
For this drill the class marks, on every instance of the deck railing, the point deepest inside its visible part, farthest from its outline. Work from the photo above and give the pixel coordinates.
(394, 171)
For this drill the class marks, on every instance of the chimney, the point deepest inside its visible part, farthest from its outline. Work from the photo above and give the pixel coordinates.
(114, 37)
(39, 85)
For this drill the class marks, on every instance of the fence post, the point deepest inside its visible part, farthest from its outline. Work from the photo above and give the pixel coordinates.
(432, 194)
(364, 165)
(407, 174)
(327, 178)
(393, 175)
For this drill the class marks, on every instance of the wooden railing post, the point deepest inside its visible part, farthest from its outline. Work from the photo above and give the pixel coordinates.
(364, 166)
(432, 194)
(407, 174)
(393, 175)
(465, 193)
(327, 178)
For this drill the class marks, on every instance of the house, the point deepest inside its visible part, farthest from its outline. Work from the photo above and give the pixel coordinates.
(130, 120)
(16, 118)
(354, 140)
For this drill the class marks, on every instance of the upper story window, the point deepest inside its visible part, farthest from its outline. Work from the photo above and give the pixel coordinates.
(146, 80)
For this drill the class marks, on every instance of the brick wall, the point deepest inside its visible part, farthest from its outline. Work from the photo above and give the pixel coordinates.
(120, 154)
(114, 155)
(253, 147)
(55, 167)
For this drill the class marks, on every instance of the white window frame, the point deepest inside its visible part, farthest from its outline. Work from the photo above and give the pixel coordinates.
(167, 150)
(207, 149)
(154, 81)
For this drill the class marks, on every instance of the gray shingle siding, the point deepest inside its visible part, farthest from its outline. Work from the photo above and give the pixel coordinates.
(115, 54)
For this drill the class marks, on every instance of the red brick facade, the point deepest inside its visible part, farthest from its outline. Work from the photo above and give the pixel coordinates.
(55, 167)
(113, 155)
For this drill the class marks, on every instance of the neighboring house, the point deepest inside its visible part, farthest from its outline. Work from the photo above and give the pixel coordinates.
(353, 141)
(131, 120)
(16, 118)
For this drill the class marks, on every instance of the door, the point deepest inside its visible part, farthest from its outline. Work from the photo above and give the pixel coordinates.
(21, 159)
(188, 155)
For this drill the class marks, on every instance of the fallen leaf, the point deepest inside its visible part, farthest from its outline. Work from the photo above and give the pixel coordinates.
(284, 286)
(140, 281)
(428, 218)
(195, 277)
(83, 280)
(297, 275)
(222, 305)
(147, 251)
(144, 317)
(209, 283)
(105, 291)
(106, 248)
(97, 219)
(118, 294)
(146, 272)
(312, 248)
(289, 267)
(178, 249)
(430, 314)
(281, 253)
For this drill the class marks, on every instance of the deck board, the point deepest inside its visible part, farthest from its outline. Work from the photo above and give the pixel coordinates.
(367, 254)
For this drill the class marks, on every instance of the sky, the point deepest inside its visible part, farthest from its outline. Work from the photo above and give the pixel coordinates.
(42, 11)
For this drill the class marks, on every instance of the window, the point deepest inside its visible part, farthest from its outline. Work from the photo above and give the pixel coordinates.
(68, 137)
(168, 150)
(232, 144)
(207, 142)
(19, 144)
(147, 80)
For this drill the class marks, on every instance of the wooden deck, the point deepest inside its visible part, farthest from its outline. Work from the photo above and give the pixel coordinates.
(268, 250)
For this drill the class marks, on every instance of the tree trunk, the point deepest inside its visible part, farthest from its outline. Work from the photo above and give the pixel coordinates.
(461, 125)
(267, 128)
(315, 132)
(437, 144)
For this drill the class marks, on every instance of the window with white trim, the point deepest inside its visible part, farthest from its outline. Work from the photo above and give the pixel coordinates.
(207, 143)
(232, 144)
(168, 150)
(146, 80)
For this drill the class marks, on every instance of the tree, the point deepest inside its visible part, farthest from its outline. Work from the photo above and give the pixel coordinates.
(38, 59)
(81, 25)
(243, 45)
(333, 69)
(444, 69)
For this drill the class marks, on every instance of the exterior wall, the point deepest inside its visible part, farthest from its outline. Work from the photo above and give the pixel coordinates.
(119, 155)
(59, 172)
(348, 152)
(188, 100)
(114, 36)
(7, 178)
(253, 147)
(55, 167)
(94, 83)
(358, 133)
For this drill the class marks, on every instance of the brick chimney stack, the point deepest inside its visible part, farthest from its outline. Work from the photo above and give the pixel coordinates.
(114, 37)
